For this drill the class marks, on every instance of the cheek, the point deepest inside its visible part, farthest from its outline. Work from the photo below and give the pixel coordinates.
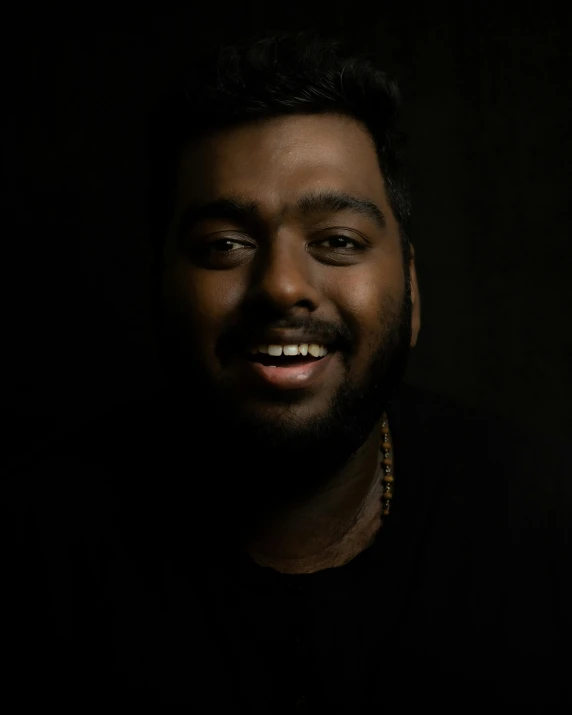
(360, 298)
(367, 303)
(202, 299)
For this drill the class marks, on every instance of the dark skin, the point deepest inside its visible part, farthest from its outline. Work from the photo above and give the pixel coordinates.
(343, 269)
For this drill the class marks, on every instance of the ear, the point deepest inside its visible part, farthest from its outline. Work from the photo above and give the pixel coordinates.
(415, 299)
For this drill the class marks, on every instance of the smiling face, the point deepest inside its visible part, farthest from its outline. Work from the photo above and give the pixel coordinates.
(283, 235)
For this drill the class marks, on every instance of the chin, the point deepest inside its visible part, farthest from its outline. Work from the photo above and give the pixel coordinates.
(293, 429)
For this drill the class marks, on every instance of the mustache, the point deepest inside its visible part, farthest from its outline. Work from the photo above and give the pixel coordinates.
(339, 335)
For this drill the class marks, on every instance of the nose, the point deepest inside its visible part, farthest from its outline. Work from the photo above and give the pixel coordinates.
(283, 276)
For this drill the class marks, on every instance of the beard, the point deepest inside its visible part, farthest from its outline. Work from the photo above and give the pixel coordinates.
(257, 463)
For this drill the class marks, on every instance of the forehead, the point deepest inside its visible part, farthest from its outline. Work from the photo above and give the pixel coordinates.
(275, 160)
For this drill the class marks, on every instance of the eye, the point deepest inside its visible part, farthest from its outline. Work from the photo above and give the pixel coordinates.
(340, 243)
(226, 245)
(339, 250)
(221, 253)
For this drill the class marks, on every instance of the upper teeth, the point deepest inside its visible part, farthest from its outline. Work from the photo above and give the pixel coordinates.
(303, 349)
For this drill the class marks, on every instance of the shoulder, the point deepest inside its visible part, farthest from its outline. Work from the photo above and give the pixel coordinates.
(489, 461)
(497, 500)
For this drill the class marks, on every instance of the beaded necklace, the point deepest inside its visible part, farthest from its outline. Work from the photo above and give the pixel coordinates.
(387, 466)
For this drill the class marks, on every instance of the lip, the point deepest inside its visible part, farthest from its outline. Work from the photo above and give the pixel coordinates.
(291, 377)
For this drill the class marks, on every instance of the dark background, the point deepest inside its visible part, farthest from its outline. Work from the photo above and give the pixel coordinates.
(486, 101)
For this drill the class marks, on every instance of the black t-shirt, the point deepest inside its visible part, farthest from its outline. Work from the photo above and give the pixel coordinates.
(117, 595)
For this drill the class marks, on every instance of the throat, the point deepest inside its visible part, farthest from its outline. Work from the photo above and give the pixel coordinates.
(359, 538)
(338, 550)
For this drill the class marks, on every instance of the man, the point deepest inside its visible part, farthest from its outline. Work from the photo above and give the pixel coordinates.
(288, 526)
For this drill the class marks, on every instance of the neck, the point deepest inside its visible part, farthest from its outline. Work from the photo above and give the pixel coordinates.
(327, 528)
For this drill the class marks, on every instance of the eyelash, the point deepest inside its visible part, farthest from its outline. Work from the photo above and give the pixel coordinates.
(357, 246)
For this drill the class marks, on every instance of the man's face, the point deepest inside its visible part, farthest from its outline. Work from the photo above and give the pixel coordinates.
(286, 273)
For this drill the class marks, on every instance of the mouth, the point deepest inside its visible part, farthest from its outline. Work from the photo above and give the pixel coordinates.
(284, 371)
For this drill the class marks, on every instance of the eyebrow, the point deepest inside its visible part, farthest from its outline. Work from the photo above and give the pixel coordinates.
(238, 209)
